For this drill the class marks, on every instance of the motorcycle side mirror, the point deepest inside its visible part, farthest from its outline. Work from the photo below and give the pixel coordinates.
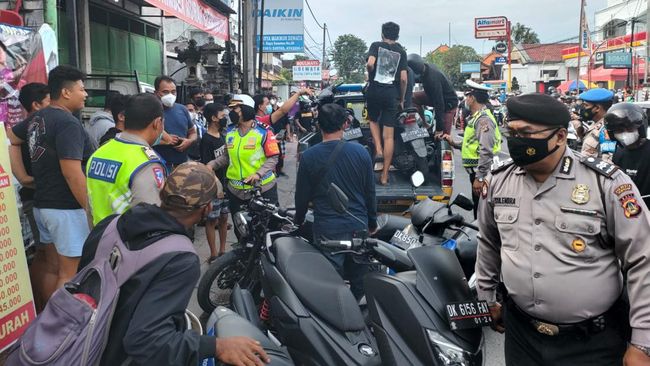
(463, 202)
(337, 198)
(417, 179)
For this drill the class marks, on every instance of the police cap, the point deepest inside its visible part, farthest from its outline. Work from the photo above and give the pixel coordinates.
(538, 108)
(597, 95)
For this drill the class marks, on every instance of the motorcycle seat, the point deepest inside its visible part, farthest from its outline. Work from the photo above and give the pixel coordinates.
(230, 324)
(317, 284)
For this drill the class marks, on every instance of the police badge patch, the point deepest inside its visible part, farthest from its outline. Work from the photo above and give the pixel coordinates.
(630, 205)
(580, 194)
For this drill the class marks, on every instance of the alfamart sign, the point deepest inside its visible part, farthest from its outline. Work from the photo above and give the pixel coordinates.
(196, 13)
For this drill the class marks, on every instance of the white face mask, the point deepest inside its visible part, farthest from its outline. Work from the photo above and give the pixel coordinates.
(193, 115)
(168, 100)
(627, 138)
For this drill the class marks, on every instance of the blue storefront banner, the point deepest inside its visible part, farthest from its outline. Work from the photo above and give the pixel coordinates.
(283, 42)
(283, 26)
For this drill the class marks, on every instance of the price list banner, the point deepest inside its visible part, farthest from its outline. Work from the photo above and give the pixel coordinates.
(16, 301)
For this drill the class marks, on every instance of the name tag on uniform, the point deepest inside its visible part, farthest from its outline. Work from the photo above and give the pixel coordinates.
(104, 169)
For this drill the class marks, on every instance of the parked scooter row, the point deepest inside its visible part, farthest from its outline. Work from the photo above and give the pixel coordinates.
(423, 314)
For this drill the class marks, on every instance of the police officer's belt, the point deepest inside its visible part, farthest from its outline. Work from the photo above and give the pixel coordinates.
(585, 327)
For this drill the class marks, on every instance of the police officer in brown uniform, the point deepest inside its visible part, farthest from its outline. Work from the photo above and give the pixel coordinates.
(561, 232)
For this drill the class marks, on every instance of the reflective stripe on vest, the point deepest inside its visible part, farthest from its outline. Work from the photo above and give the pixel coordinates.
(247, 156)
(109, 173)
(471, 145)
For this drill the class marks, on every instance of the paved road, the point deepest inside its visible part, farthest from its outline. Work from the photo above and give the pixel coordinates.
(286, 185)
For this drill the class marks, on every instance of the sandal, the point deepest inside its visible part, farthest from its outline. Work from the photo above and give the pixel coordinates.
(212, 259)
(379, 163)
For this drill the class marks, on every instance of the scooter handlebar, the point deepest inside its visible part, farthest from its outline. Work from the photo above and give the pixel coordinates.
(354, 244)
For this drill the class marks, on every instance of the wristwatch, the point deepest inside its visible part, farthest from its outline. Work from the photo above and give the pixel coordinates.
(643, 349)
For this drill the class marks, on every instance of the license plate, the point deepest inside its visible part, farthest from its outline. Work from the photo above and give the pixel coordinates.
(352, 134)
(420, 133)
(403, 240)
(467, 315)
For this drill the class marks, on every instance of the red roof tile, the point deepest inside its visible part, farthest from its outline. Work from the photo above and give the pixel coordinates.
(544, 52)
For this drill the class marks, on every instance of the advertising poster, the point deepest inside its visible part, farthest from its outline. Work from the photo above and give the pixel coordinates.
(22, 60)
(16, 301)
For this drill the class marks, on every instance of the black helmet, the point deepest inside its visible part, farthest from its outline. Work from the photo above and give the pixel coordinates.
(624, 116)
(416, 63)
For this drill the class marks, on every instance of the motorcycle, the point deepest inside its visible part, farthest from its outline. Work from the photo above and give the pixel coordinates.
(412, 153)
(429, 224)
(415, 315)
(250, 226)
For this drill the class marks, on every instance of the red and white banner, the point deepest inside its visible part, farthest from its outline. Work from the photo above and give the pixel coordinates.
(308, 63)
(196, 13)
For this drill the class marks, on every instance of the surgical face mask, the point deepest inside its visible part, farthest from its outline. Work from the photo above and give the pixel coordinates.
(168, 100)
(200, 102)
(157, 142)
(193, 115)
(269, 109)
(223, 122)
(209, 102)
(627, 138)
(525, 151)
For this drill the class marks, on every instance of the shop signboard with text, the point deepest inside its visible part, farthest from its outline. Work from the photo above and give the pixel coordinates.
(307, 70)
(490, 27)
(16, 301)
(618, 60)
(283, 26)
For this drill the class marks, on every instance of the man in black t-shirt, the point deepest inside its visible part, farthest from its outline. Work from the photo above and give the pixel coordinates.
(387, 83)
(627, 124)
(59, 147)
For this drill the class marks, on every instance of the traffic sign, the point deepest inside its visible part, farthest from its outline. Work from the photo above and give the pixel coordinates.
(501, 60)
(490, 27)
(500, 47)
(470, 67)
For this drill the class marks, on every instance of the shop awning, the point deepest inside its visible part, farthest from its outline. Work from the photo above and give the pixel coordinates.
(602, 74)
(196, 13)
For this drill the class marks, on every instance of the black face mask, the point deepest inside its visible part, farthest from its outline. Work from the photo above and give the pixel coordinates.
(587, 114)
(223, 122)
(234, 117)
(200, 102)
(525, 151)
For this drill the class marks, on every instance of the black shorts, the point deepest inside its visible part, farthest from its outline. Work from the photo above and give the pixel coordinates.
(383, 103)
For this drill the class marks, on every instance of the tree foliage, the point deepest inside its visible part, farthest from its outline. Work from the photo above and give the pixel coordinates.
(300, 58)
(523, 34)
(349, 57)
(449, 62)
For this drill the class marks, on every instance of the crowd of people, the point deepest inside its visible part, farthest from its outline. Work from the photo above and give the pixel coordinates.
(147, 167)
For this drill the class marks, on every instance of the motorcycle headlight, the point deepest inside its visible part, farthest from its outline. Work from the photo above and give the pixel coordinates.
(241, 224)
(447, 352)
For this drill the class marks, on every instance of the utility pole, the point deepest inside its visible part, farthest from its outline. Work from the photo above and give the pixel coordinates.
(582, 14)
(629, 71)
(324, 56)
(449, 44)
(420, 46)
(260, 49)
(647, 43)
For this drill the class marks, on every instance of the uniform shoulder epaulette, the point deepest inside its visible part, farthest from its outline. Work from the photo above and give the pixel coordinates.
(501, 165)
(150, 153)
(599, 166)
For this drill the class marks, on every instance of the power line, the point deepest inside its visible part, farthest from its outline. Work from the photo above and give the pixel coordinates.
(312, 38)
(312, 14)
(329, 38)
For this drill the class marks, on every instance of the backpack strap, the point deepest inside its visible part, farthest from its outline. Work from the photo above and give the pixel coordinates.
(324, 171)
(128, 262)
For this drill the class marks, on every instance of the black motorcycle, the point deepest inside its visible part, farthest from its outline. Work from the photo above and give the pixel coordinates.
(423, 315)
(434, 223)
(250, 225)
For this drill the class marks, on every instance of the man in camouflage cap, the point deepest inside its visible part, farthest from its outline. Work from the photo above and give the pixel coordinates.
(191, 186)
(153, 301)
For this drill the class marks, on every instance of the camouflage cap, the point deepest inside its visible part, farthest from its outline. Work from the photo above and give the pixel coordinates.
(190, 186)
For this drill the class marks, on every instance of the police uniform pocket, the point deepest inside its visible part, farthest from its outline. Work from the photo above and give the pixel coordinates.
(578, 235)
(506, 219)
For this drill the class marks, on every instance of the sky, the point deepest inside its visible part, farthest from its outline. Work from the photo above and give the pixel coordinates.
(553, 20)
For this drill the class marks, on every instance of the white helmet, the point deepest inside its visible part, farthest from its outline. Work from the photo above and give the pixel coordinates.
(239, 99)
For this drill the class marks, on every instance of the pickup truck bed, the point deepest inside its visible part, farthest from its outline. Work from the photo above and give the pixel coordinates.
(399, 194)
